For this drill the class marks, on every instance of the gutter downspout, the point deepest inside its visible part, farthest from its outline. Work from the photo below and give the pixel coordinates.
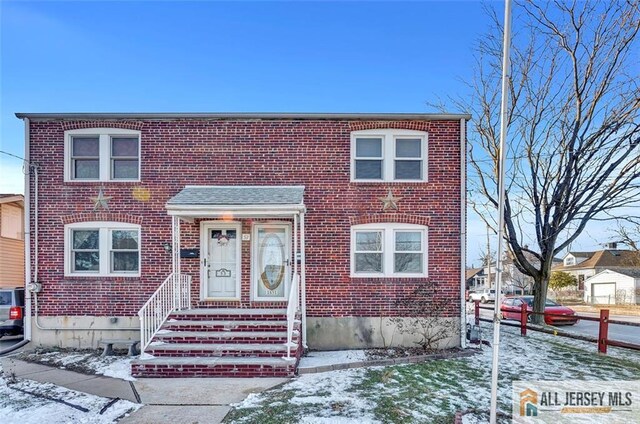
(27, 226)
(463, 232)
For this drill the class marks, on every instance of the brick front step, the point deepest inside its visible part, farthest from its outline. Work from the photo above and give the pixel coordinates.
(249, 350)
(269, 337)
(213, 325)
(230, 314)
(213, 367)
(222, 343)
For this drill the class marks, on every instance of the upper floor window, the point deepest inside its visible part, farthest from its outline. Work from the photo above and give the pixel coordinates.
(388, 250)
(388, 155)
(102, 249)
(102, 154)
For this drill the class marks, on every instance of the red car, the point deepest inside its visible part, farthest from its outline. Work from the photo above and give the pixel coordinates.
(511, 309)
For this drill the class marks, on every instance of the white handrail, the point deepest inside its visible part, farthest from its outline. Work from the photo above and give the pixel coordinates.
(293, 306)
(173, 294)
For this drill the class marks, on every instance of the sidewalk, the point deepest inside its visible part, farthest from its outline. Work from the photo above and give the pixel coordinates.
(192, 400)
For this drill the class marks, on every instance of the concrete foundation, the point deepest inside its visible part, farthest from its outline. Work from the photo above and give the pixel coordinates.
(370, 332)
(82, 332)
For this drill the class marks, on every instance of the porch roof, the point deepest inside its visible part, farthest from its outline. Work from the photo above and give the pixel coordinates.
(238, 201)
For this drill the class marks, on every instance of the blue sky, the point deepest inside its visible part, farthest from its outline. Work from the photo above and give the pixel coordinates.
(231, 57)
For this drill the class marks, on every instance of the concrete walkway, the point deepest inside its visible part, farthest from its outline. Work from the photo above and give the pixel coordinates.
(171, 400)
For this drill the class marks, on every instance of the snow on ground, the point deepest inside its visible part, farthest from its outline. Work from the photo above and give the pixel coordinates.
(317, 359)
(18, 407)
(433, 391)
(87, 362)
(120, 368)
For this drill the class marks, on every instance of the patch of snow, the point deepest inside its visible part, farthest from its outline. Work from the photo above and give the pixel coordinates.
(17, 407)
(322, 358)
(146, 356)
(117, 369)
(156, 343)
(339, 403)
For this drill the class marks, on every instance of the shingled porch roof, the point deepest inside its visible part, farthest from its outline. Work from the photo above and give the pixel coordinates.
(237, 200)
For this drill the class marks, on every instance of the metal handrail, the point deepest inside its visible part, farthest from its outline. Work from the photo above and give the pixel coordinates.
(173, 294)
(293, 306)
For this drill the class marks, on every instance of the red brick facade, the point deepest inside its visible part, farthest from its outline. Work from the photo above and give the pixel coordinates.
(313, 153)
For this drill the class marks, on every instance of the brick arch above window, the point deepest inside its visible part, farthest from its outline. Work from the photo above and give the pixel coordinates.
(102, 216)
(124, 125)
(399, 218)
(398, 125)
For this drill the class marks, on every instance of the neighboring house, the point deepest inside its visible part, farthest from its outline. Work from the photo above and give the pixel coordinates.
(583, 265)
(11, 240)
(608, 287)
(227, 217)
(513, 281)
(475, 278)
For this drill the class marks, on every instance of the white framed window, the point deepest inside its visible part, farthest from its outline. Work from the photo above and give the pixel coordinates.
(102, 154)
(388, 250)
(389, 155)
(102, 249)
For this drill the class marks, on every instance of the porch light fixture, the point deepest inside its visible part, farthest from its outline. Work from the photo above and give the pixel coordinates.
(167, 247)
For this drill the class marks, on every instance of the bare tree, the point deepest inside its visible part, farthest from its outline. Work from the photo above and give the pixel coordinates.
(629, 236)
(574, 126)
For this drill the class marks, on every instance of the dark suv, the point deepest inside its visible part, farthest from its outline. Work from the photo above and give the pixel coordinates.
(11, 311)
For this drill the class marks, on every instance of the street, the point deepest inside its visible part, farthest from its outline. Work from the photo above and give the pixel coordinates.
(617, 332)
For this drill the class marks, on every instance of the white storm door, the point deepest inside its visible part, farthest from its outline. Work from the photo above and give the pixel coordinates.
(271, 261)
(222, 268)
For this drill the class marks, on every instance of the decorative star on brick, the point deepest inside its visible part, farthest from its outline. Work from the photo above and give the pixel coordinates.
(100, 201)
(390, 201)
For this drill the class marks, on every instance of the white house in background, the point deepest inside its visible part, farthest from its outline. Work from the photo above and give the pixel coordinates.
(609, 287)
(584, 265)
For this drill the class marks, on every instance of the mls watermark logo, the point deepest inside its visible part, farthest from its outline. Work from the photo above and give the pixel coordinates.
(528, 403)
(576, 401)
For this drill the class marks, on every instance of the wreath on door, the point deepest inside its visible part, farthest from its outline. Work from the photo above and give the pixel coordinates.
(223, 239)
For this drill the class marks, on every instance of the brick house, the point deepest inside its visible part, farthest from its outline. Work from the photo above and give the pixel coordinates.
(248, 235)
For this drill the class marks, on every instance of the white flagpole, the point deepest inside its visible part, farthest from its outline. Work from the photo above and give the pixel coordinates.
(501, 201)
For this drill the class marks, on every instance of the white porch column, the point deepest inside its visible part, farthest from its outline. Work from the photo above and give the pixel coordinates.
(294, 256)
(175, 255)
(303, 285)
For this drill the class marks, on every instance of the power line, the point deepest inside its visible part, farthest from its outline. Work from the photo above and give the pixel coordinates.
(15, 156)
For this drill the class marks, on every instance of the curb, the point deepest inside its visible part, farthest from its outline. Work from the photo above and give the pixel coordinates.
(387, 362)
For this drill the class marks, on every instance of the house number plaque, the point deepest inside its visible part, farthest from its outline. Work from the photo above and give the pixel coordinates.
(223, 272)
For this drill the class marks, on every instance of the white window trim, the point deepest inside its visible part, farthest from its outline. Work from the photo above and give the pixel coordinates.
(104, 135)
(105, 229)
(388, 249)
(389, 137)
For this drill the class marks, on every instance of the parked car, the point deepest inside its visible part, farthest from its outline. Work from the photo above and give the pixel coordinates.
(483, 295)
(11, 311)
(511, 308)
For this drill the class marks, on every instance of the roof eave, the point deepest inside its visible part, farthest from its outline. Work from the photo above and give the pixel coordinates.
(247, 116)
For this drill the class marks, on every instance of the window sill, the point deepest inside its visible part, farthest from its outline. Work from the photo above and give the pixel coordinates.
(387, 277)
(100, 276)
(398, 182)
(98, 182)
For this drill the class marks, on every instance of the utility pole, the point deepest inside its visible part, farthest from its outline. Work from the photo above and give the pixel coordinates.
(501, 202)
(488, 259)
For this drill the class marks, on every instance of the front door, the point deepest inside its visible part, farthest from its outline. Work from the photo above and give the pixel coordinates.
(271, 261)
(222, 262)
